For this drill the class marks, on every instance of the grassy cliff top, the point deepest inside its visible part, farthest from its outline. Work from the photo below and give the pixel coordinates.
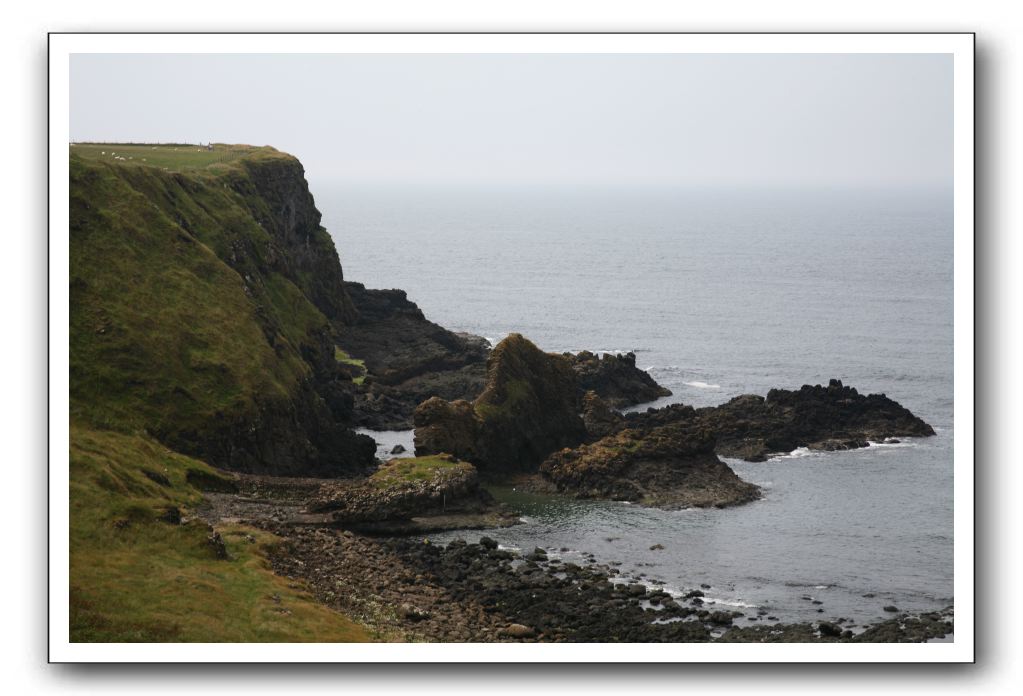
(174, 157)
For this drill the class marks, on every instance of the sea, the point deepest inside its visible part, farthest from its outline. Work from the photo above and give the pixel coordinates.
(718, 293)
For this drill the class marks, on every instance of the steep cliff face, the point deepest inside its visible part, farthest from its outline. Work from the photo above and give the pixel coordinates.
(203, 310)
(280, 201)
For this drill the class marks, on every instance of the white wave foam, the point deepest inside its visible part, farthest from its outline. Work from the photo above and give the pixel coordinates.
(729, 602)
(702, 385)
(797, 453)
(900, 443)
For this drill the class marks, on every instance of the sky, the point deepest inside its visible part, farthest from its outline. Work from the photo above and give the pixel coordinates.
(781, 121)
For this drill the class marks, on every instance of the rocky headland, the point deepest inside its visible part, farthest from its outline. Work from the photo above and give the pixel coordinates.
(407, 358)
(220, 363)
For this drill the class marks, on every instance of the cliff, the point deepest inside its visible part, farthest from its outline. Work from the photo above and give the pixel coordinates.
(205, 304)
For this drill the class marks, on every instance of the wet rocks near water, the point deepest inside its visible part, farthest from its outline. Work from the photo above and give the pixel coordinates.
(832, 417)
(668, 466)
(615, 378)
(409, 589)
(829, 629)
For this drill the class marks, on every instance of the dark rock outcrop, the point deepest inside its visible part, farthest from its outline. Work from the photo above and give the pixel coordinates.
(599, 418)
(667, 466)
(830, 418)
(528, 409)
(409, 358)
(615, 378)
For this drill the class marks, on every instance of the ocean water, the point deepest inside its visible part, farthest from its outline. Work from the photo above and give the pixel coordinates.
(718, 294)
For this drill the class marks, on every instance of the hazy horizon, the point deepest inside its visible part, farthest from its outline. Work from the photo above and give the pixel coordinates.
(627, 121)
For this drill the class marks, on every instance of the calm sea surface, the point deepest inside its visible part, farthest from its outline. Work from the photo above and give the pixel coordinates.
(718, 295)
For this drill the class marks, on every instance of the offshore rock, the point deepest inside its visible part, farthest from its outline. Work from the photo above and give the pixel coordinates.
(527, 410)
(754, 428)
(670, 466)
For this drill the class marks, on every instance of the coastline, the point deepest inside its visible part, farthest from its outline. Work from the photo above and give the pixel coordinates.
(412, 589)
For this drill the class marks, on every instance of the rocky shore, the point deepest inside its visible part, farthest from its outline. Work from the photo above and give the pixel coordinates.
(407, 588)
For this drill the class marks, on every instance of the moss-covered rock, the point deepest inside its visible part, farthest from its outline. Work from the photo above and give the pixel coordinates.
(528, 409)
(410, 495)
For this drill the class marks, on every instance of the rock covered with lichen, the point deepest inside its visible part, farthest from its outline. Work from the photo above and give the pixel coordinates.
(528, 409)
(409, 494)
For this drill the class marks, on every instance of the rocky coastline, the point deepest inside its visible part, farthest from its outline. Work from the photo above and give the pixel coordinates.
(408, 588)
(210, 314)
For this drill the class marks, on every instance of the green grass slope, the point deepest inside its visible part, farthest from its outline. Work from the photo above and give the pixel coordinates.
(137, 577)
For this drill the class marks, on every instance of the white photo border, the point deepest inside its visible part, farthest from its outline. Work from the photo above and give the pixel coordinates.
(63, 45)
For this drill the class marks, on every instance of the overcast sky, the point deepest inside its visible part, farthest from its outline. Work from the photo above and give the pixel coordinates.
(790, 121)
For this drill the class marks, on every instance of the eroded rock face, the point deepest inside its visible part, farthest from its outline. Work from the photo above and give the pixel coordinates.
(447, 426)
(410, 495)
(615, 378)
(667, 466)
(599, 418)
(409, 358)
(528, 409)
(834, 417)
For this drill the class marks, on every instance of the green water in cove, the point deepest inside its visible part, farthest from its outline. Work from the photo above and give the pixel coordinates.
(717, 294)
